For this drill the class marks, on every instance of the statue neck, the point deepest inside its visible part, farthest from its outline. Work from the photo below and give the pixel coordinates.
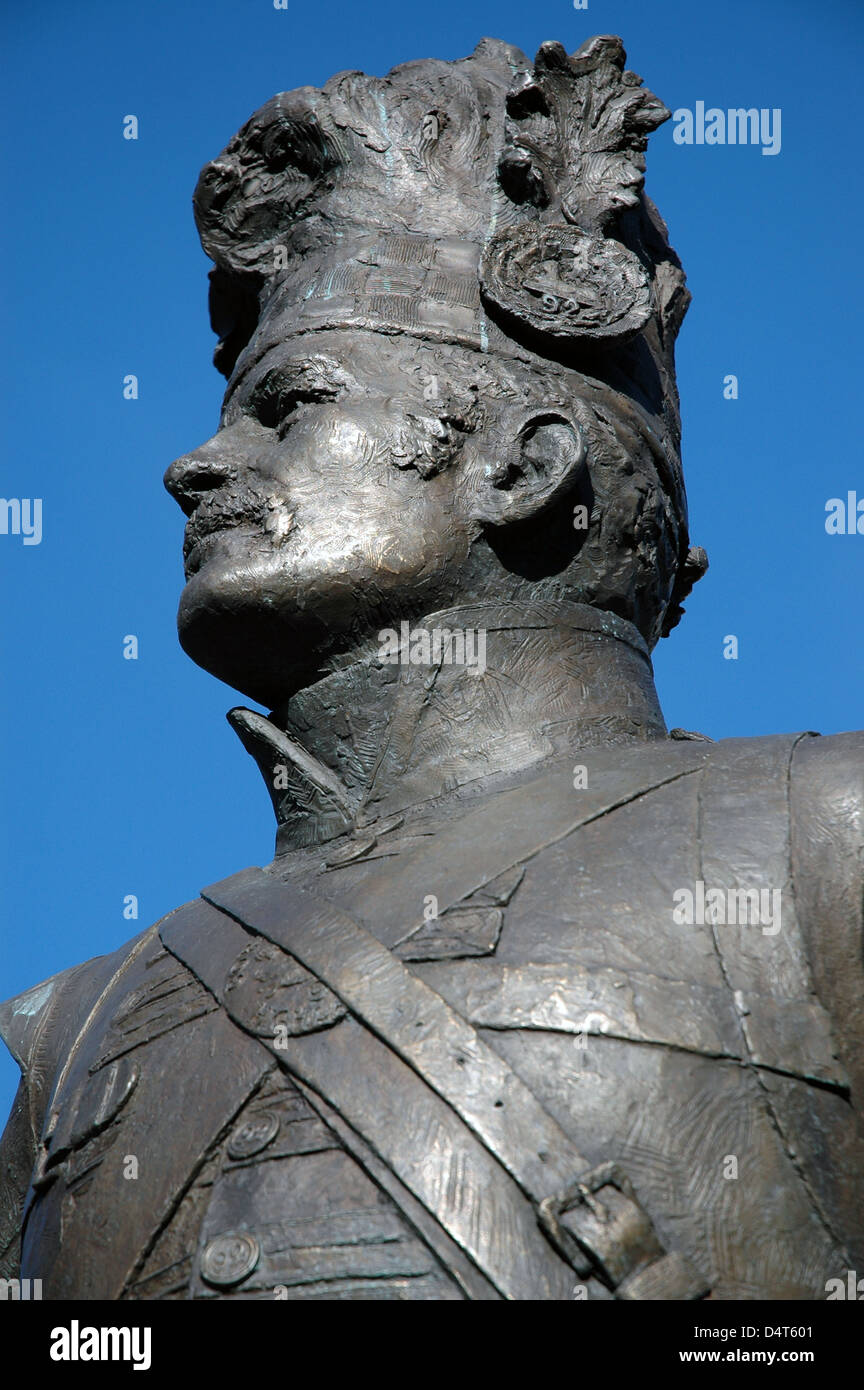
(515, 685)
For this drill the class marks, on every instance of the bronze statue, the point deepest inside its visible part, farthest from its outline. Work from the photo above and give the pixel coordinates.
(536, 1000)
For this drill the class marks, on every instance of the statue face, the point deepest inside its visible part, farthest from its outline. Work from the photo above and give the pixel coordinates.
(335, 496)
(359, 479)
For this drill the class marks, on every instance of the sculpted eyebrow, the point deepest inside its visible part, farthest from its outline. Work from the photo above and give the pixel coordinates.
(304, 379)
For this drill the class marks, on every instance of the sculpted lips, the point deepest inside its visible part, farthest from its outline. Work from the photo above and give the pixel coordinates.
(227, 509)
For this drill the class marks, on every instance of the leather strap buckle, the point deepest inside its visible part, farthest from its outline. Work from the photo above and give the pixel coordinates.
(600, 1227)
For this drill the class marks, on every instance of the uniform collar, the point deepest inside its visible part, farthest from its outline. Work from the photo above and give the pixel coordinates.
(384, 735)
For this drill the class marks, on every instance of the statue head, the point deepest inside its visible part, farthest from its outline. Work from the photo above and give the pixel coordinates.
(446, 311)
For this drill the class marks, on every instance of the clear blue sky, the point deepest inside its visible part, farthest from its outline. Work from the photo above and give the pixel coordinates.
(113, 769)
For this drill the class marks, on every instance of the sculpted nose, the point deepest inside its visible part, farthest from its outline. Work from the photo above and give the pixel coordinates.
(191, 477)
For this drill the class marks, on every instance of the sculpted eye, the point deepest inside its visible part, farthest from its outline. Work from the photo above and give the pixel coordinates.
(272, 401)
(276, 398)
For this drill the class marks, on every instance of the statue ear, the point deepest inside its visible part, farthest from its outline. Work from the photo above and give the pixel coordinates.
(545, 460)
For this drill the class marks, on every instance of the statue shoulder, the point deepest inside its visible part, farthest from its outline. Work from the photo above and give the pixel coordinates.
(831, 763)
(826, 802)
(825, 773)
(37, 1024)
(826, 806)
(39, 1027)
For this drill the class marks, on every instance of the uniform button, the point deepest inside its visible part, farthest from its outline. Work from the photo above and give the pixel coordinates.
(230, 1258)
(253, 1134)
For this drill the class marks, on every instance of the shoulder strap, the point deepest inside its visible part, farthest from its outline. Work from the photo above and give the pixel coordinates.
(413, 1019)
(404, 1051)
(405, 1122)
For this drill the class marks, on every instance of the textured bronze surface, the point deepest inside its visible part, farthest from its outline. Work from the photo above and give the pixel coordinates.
(536, 1000)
